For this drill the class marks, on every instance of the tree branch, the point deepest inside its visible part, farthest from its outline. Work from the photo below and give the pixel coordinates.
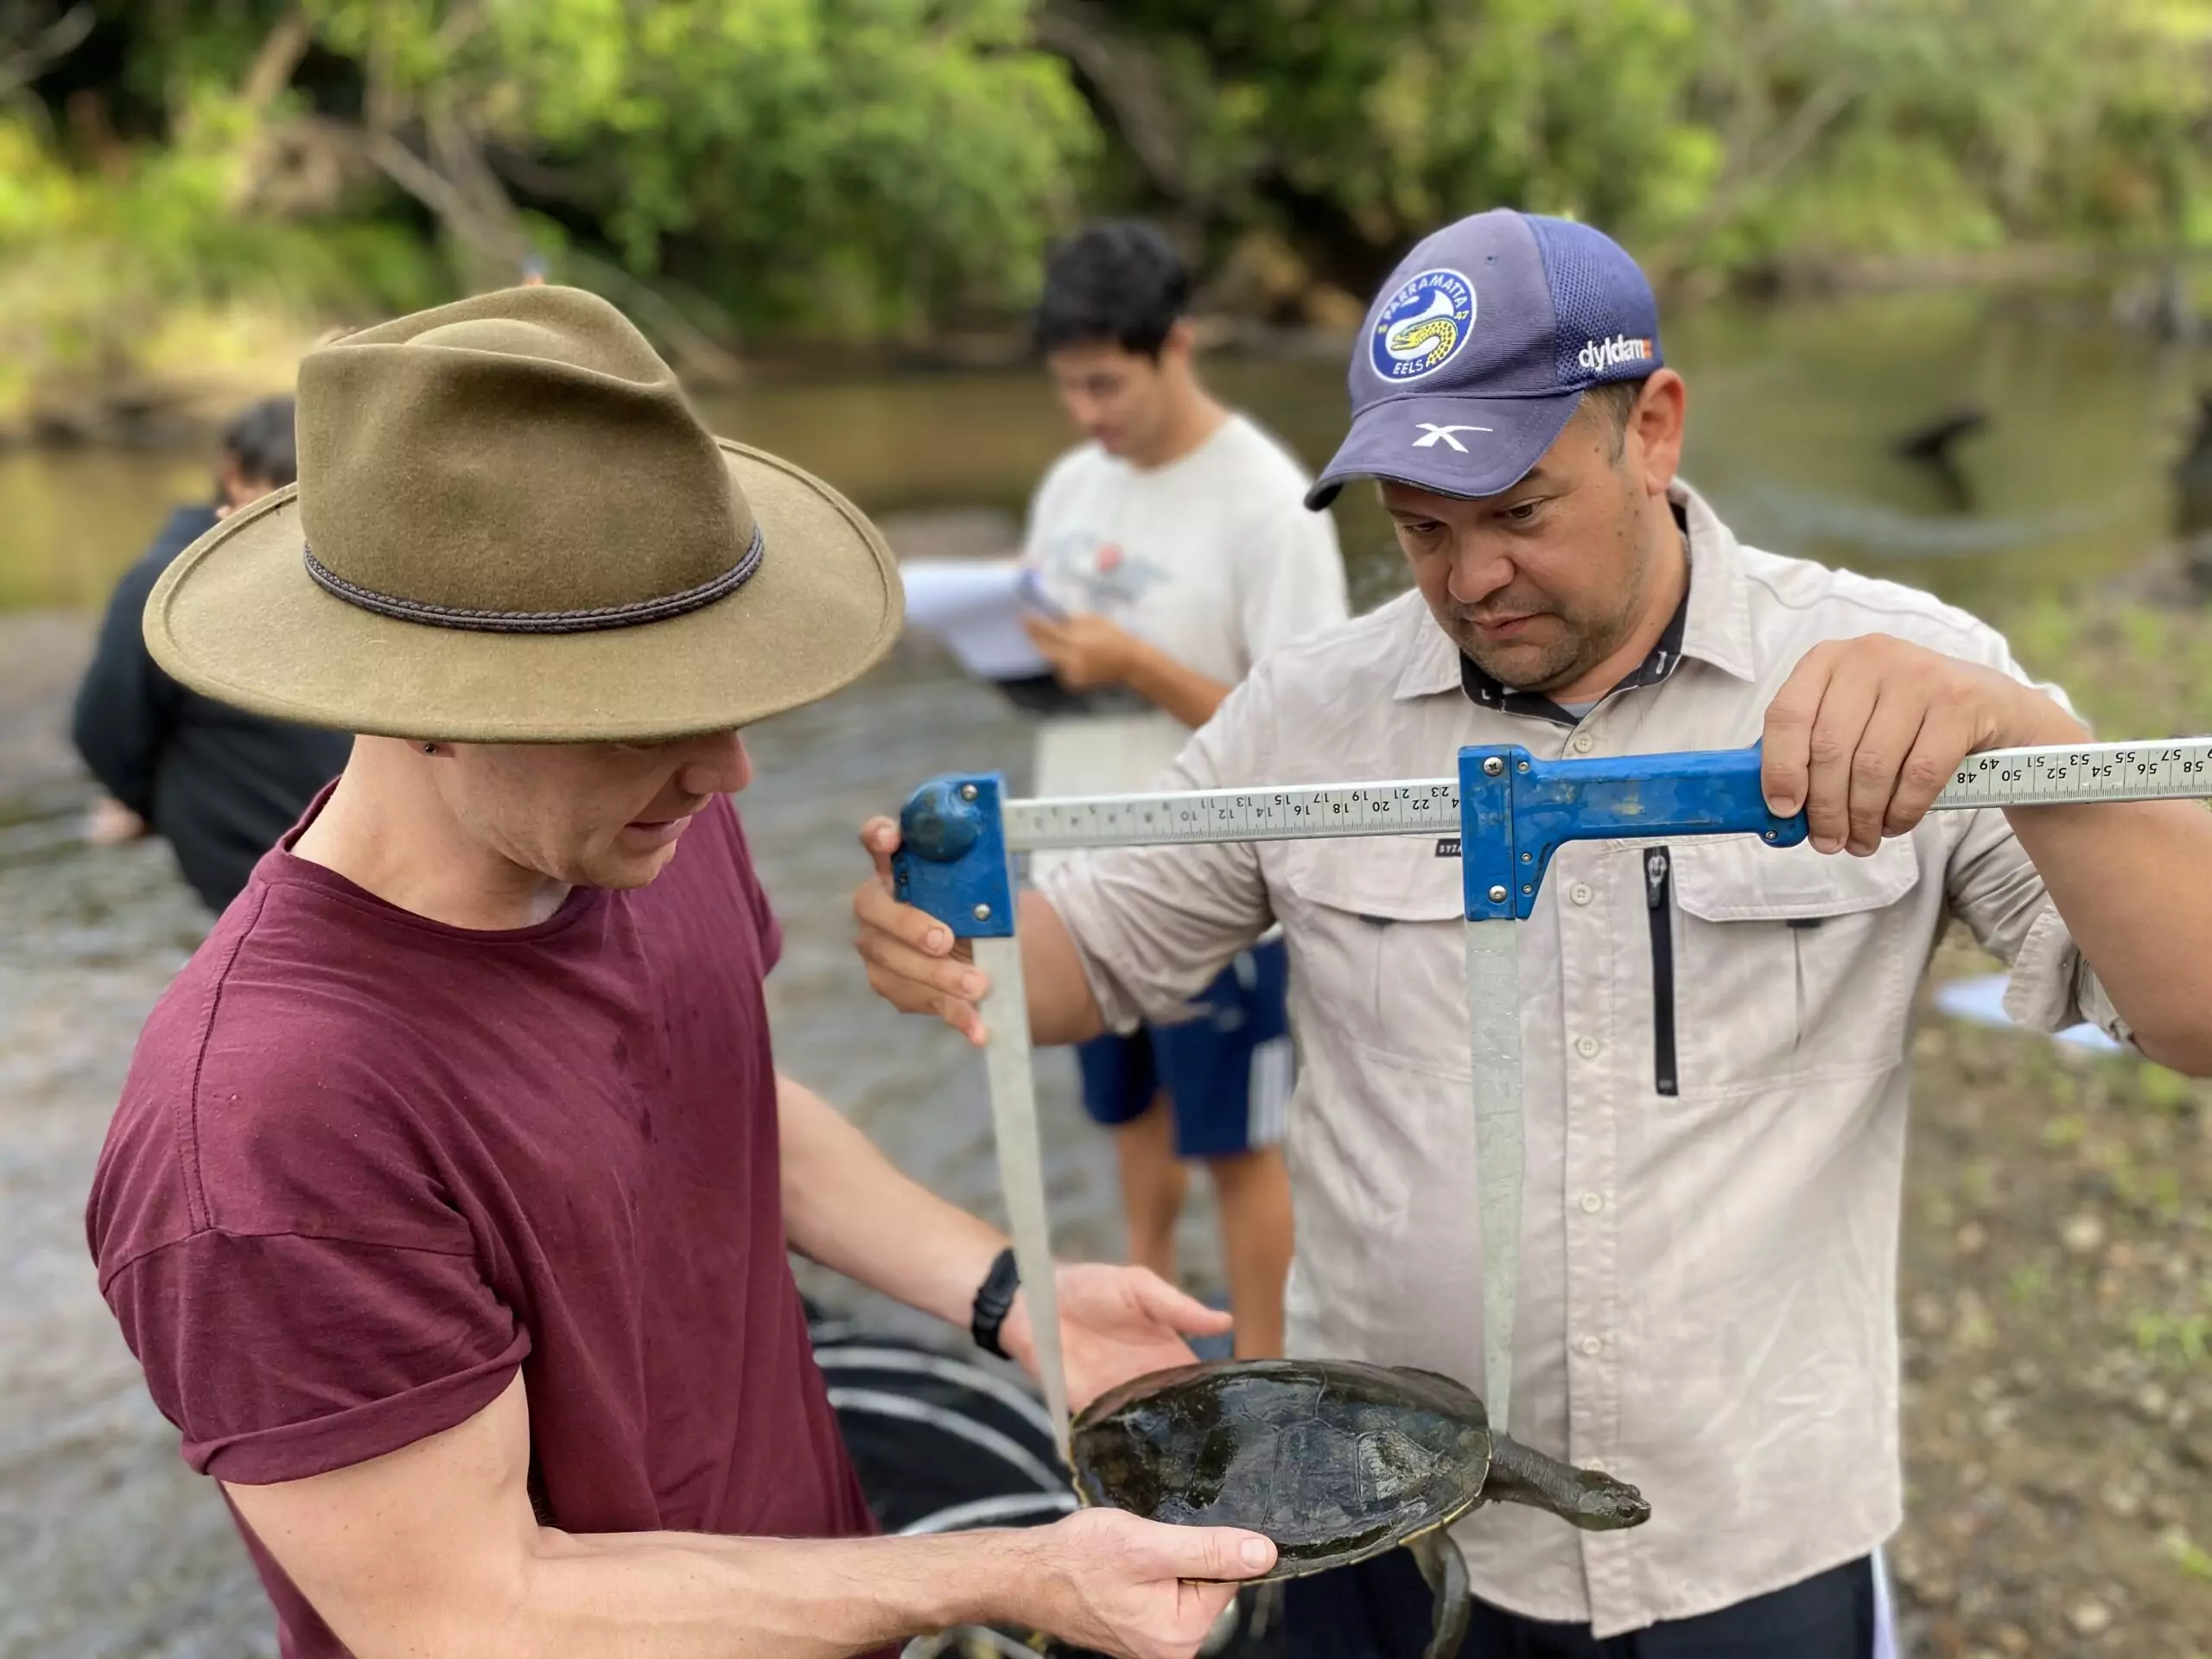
(700, 356)
(1128, 82)
(22, 65)
(533, 176)
(430, 188)
(1741, 177)
(273, 65)
(459, 159)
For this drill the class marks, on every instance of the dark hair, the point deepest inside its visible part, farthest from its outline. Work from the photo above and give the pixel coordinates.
(1119, 281)
(1613, 400)
(259, 443)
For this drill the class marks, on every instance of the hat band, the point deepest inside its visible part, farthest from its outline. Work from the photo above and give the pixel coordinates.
(657, 609)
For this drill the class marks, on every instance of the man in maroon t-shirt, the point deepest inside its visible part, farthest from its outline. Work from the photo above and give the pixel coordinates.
(447, 1203)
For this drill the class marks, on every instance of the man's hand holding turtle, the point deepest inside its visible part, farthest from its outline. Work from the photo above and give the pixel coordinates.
(1867, 732)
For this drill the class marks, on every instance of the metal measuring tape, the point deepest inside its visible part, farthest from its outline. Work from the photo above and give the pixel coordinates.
(1513, 812)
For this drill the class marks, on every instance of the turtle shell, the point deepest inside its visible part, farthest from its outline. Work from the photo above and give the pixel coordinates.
(1334, 1461)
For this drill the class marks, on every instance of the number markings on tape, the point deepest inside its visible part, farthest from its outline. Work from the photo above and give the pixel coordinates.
(2175, 769)
(1430, 805)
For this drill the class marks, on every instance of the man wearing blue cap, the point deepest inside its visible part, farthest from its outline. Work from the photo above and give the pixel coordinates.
(1713, 1032)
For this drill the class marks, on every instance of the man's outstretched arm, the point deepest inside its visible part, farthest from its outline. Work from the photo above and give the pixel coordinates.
(847, 1206)
(433, 1549)
(1867, 732)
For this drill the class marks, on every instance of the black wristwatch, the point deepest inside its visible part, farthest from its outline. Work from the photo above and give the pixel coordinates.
(993, 1299)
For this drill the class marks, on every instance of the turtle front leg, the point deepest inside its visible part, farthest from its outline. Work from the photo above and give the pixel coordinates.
(1266, 1612)
(1446, 1569)
(1594, 1501)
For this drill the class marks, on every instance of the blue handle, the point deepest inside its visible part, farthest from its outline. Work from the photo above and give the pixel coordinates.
(952, 859)
(1515, 813)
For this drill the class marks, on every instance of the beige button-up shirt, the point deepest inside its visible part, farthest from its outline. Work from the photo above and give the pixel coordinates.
(1708, 1278)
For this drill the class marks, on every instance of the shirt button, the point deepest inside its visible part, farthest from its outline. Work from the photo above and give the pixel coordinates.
(1592, 1204)
(1581, 893)
(1586, 1048)
(1582, 742)
(1592, 1346)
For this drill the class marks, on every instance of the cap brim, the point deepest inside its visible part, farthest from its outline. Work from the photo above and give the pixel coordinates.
(236, 618)
(1451, 445)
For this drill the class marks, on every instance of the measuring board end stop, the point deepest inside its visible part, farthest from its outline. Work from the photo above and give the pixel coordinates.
(952, 858)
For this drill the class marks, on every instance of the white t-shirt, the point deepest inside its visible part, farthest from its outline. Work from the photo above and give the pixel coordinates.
(1213, 559)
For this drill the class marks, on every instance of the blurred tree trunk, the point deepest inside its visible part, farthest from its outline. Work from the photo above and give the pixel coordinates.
(29, 47)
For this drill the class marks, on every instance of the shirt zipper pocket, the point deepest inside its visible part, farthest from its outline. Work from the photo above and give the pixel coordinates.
(1659, 900)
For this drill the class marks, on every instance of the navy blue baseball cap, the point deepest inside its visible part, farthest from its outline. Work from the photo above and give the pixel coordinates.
(1480, 347)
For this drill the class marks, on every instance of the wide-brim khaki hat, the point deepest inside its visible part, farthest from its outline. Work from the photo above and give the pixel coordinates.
(510, 527)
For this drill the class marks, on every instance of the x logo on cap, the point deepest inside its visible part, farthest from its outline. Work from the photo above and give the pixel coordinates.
(1443, 435)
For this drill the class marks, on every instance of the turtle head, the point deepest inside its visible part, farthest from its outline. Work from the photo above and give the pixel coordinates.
(1591, 1500)
(1607, 1505)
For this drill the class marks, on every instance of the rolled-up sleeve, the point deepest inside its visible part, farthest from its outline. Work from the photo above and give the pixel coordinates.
(281, 1356)
(1154, 926)
(1995, 890)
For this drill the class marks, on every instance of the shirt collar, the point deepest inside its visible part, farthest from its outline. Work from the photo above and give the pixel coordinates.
(1712, 624)
(1718, 628)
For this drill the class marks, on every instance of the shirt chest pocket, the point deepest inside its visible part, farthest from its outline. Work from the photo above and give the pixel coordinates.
(1375, 931)
(1786, 964)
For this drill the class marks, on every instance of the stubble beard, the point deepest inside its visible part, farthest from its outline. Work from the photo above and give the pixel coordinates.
(1583, 642)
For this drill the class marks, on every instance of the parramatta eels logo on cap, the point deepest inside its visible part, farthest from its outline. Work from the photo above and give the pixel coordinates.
(1423, 325)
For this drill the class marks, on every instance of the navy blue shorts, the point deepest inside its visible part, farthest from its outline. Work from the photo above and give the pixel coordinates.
(1381, 1609)
(1228, 1071)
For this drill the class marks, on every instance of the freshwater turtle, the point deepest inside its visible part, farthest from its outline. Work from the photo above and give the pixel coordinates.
(1335, 1460)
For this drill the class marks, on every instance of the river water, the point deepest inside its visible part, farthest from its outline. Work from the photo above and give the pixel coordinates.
(113, 1548)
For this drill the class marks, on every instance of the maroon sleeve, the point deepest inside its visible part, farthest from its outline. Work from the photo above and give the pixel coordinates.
(281, 1356)
(756, 896)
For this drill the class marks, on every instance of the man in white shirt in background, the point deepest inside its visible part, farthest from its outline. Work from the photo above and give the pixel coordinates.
(1171, 551)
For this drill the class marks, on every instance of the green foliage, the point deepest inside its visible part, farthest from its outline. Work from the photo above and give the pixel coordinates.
(2186, 1553)
(2180, 1342)
(2028, 1284)
(1974, 122)
(104, 274)
(856, 170)
(852, 169)
(860, 166)
(1720, 133)
(1392, 115)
